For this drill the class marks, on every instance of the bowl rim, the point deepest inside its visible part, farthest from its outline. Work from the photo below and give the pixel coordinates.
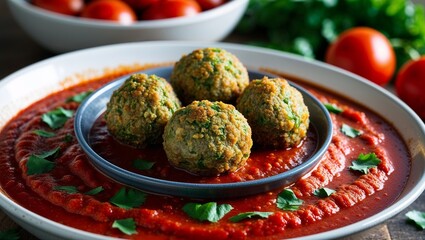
(203, 16)
(407, 197)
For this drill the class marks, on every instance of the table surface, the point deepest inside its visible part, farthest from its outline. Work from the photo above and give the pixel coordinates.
(18, 50)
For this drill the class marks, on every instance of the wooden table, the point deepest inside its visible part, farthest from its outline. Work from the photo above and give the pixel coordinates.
(17, 50)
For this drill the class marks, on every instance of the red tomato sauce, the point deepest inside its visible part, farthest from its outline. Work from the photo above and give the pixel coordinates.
(357, 195)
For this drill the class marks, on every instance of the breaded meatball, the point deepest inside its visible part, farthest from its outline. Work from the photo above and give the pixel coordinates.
(275, 111)
(209, 74)
(207, 138)
(139, 110)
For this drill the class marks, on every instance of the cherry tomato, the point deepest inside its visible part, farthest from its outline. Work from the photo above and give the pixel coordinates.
(209, 4)
(140, 4)
(410, 85)
(171, 8)
(113, 10)
(68, 7)
(364, 51)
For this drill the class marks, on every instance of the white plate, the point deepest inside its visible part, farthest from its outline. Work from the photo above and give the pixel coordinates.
(38, 80)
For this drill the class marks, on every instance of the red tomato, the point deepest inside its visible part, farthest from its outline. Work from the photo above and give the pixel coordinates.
(209, 4)
(68, 7)
(364, 51)
(171, 8)
(410, 85)
(140, 4)
(113, 10)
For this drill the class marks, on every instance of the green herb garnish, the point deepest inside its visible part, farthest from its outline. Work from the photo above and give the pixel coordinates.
(68, 189)
(79, 97)
(10, 234)
(143, 164)
(210, 211)
(38, 165)
(350, 132)
(127, 199)
(286, 200)
(94, 191)
(127, 226)
(333, 108)
(245, 215)
(323, 192)
(416, 217)
(44, 133)
(364, 162)
(52, 154)
(68, 138)
(57, 118)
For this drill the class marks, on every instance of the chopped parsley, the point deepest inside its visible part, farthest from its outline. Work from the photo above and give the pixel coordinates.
(94, 191)
(286, 200)
(56, 118)
(210, 211)
(79, 97)
(364, 162)
(40, 163)
(245, 215)
(10, 234)
(68, 138)
(126, 226)
(142, 164)
(67, 189)
(333, 108)
(323, 192)
(128, 198)
(52, 154)
(416, 217)
(44, 133)
(350, 131)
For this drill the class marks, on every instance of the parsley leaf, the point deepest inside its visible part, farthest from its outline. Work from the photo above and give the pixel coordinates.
(286, 200)
(127, 226)
(349, 131)
(57, 118)
(416, 217)
(323, 192)
(43, 133)
(11, 234)
(52, 154)
(128, 198)
(333, 108)
(94, 191)
(364, 162)
(245, 215)
(79, 97)
(68, 189)
(143, 164)
(68, 138)
(38, 165)
(207, 212)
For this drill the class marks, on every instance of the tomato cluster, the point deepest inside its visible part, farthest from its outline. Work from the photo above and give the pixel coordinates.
(128, 11)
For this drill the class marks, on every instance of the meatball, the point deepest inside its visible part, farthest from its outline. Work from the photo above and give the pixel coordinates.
(209, 74)
(275, 111)
(207, 138)
(139, 110)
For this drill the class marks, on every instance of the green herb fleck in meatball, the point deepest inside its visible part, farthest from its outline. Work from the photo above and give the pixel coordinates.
(139, 110)
(209, 74)
(207, 138)
(275, 111)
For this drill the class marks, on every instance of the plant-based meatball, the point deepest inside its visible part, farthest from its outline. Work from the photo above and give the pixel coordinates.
(207, 138)
(139, 110)
(275, 111)
(209, 74)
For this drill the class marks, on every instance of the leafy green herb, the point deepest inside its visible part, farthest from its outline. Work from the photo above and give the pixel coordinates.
(68, 138)
(323, 192)
(245, 215)
(56, 118)
(94, 191)
(52, 154)
(68, 189)
(11, 234)
(416, 217)
(286, 200)
(79, 97)
(364, 162)
(143, 164)
(349, 131)
(38, 165)
(128, 198)
(43, 133)
(333, 108)
(207, 212)
(127, 226)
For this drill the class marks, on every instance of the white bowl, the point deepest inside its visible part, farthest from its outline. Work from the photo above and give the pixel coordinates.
(61, 33)
(38, 80)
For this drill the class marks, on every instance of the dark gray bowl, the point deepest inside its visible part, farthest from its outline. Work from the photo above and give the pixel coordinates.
(95, 105)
